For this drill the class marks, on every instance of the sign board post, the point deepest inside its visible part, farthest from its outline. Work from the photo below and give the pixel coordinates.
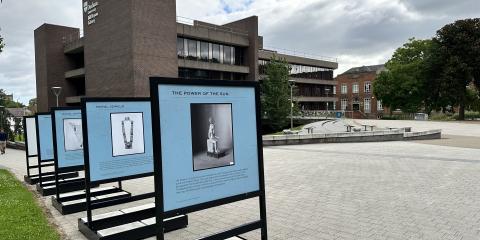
(68, 154)
(118, 146)
(30, 136)
(44, 141)
(208, 148)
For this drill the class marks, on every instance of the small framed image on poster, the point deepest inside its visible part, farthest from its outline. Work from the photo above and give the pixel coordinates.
(212, 135)
(72, 134)
(127, 133)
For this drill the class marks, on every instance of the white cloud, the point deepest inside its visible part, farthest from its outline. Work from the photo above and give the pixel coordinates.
(357, 32)
(18, 19)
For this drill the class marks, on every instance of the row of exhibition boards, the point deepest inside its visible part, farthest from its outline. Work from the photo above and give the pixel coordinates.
(201, 141)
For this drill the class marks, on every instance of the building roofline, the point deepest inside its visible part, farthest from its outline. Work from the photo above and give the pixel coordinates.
(365, 69)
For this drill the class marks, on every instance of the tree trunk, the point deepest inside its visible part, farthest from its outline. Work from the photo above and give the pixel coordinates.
(461, 112)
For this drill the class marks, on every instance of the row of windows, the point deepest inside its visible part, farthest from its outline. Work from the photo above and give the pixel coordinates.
(309, 90)
(301, 71)
(209, 52)
(356, 105)
(367, 88)
(206, 74)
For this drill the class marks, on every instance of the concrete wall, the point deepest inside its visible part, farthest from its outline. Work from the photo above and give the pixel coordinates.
(250, 25)
(154, 42)
(108, 50)
(129, 42)
(51, 64)
(331, 138)
(377, 136)
(209, 32)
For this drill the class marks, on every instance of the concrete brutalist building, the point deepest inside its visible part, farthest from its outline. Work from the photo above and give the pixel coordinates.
(125, 42)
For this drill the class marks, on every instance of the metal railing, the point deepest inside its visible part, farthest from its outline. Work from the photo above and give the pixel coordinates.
(298, 53)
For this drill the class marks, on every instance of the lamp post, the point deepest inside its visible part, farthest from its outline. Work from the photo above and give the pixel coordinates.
(56, 91)
(327, 90)
(292, 84)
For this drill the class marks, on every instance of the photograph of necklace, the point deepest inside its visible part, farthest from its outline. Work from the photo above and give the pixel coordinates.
(129, 142)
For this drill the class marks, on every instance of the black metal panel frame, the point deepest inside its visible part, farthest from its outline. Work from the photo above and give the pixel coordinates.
(90, 227)
(29, 178)
(64, 187)
(160, 213)
(39, 152)
(59, 170)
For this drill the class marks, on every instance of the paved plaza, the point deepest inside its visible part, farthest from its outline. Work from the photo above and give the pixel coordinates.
(388, 190)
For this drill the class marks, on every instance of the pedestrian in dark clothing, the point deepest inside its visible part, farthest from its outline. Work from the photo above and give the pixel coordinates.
(3, 141)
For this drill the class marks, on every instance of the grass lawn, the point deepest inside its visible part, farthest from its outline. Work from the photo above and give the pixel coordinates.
(20, 216)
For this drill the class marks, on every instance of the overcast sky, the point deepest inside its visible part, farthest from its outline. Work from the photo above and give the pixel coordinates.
(356, 32)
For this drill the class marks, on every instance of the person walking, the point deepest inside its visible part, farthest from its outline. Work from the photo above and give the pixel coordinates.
(3, 141)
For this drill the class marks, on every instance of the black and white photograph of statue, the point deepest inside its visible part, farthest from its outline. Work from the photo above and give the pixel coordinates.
(127, 134)
(212, 135)
(72, 134)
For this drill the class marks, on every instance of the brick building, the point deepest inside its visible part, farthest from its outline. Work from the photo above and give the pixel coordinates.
(355, 92)
(125, 42)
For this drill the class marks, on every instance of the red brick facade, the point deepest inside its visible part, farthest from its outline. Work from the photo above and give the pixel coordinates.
(355, 92)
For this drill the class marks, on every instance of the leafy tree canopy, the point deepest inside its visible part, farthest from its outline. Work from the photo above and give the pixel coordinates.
(403, 84)
(434, 74)
(459, 50)
(8, 103)
(275, 90)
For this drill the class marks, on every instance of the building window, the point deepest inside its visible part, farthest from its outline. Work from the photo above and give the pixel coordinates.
(366, 105)
(379, 105)
(344, 89)
(192, 49)
(180, 48)
(204, 51)
(343, 104)
(238, 55)
(368, 87)
(215, 53)
(227, 55)
(355, 88)
(334, 90)
(209, 52)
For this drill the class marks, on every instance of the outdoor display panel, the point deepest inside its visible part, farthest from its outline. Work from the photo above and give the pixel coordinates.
(119, 139)
(69, 137)
(45, 137)
(31, 135)
(208, 149)
(208, 141)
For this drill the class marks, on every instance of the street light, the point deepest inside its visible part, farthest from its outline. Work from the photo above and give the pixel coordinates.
(56, 91)
(327, 90)
(292, 84)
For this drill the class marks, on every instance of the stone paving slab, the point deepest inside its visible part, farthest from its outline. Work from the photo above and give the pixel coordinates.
(388, 190)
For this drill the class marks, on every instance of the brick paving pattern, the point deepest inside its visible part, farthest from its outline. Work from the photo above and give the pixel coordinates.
(389, 190)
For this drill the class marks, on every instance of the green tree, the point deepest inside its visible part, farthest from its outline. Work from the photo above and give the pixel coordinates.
(32, 105)
(4, 101)
(275, 95)
(473, 99)
(403, 84)
(5, 115)
(459, 47)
